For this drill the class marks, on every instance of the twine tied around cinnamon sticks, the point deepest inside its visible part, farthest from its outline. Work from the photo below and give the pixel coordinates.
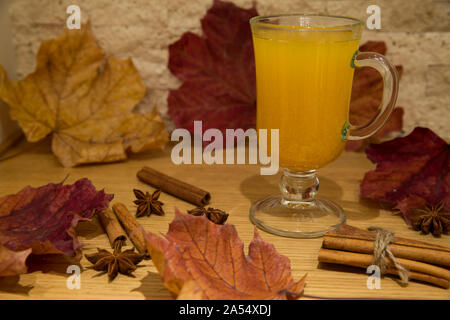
(353, 246)
(381, 250)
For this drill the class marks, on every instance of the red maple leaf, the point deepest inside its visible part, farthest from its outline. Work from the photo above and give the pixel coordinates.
(217, 70)
(411, 172)
(42, 221)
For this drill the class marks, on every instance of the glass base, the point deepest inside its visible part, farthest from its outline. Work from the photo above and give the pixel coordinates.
(296, 219)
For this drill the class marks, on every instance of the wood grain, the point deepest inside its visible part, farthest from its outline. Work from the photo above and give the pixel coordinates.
(233, 189)
(10, 141)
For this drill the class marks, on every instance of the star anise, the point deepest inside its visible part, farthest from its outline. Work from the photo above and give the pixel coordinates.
(199, 211)
(215, 215)
(148, 203)
(124, 262)
(432, 219)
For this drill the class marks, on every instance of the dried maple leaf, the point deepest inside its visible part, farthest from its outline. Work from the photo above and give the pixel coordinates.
(217, 71)
(367, 92)
(209, 260)
(411, 172)
(84, 100)
(12, 262)
(42, 221)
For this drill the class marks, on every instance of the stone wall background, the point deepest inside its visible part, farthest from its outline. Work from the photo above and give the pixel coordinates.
(417, 33)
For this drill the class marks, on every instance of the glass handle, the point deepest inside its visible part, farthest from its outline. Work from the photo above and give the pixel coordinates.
(390, 91)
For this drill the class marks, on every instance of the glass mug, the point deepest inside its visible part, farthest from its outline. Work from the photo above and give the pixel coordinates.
(304, 74)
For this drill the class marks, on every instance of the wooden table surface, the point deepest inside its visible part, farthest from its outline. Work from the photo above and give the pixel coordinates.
(233, 189)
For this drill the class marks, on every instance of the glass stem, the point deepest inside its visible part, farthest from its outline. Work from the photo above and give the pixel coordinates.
(299, 188)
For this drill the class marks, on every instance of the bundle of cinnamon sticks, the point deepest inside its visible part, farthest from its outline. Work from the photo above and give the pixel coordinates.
(354, 247)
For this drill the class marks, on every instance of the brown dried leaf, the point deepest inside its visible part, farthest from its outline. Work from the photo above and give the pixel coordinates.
(84, 100)
(11, 262)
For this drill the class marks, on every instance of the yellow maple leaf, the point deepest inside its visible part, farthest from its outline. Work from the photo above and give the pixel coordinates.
(85, 100)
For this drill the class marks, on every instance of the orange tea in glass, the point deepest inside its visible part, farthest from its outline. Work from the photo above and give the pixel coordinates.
(304, 74)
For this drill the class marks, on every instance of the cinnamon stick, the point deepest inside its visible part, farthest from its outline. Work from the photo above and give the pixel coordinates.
(174, 186)
(133, 229)
(418, 270)
(112, 227)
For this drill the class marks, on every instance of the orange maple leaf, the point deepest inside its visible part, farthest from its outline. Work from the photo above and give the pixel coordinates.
(84, 100)
(198, 259)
